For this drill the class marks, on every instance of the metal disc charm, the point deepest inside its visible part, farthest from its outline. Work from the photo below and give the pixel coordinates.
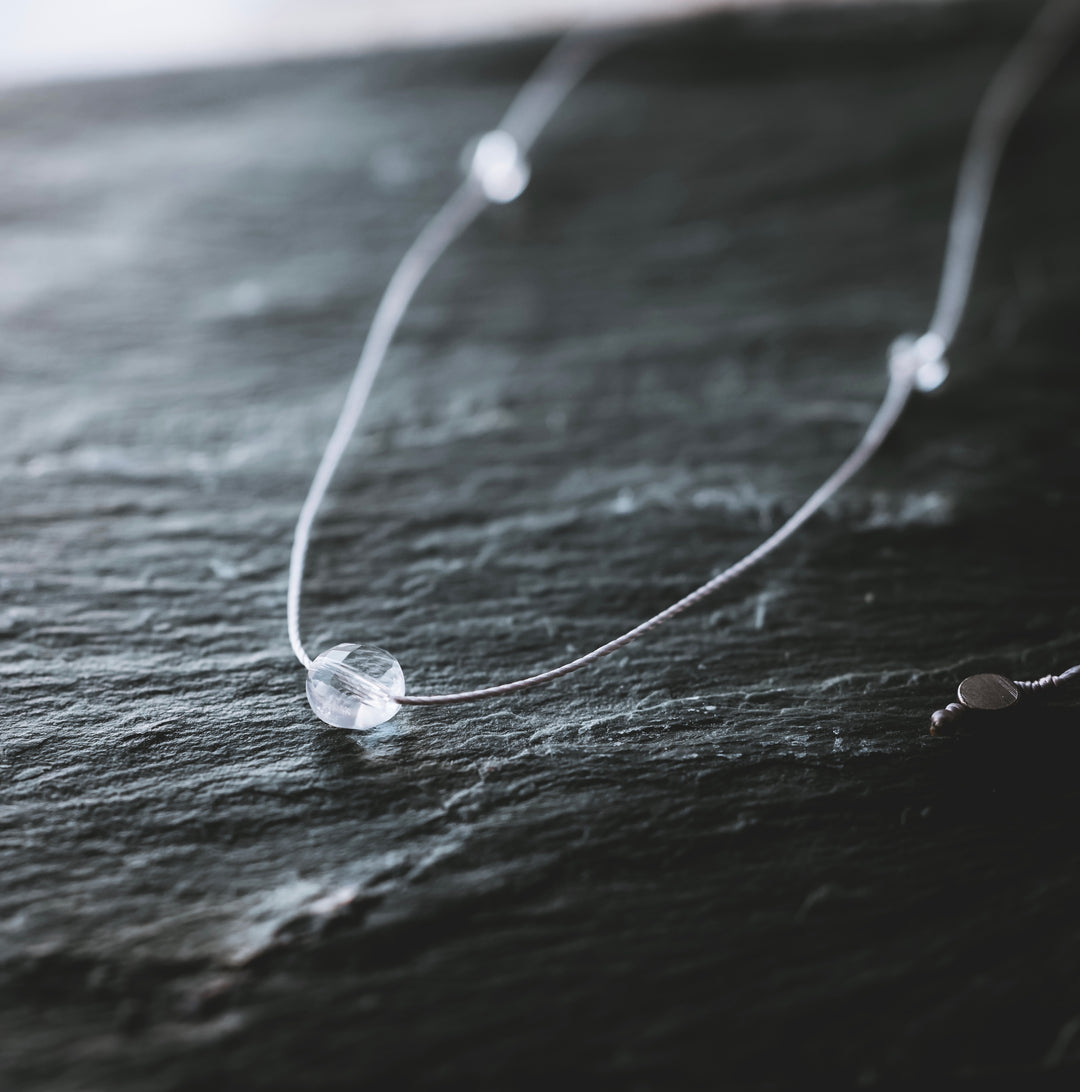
(987, 692)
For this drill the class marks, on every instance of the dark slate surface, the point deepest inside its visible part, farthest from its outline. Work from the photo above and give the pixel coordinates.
(732, 855)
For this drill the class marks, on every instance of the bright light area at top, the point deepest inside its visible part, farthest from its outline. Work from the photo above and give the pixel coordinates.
(48, 39)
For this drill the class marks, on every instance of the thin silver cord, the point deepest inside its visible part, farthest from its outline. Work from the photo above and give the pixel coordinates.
(447, 224)
(1008, 94)
(890, 409)
(530, 110)
(559, 73)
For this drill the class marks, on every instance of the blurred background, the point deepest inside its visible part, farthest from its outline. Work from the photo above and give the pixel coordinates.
(45, 39)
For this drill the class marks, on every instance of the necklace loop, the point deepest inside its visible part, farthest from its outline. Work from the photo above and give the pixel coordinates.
(497, 171)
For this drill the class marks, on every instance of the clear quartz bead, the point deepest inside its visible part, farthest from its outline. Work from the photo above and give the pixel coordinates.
(350, 686)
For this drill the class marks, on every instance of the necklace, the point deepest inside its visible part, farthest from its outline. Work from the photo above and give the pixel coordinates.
(980, 694)
(359, 686)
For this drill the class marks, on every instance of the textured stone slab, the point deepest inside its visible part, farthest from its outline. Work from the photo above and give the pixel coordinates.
(731, 852)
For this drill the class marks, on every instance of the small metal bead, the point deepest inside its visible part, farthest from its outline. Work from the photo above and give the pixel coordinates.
(499, 167)
(989, 693)
(933, 368)
(921, 357)
(940, 720)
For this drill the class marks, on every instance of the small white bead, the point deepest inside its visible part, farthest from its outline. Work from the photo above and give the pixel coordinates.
(500, 168)
(351, 686)
(931, 375)
(934, 369)
(922, 359)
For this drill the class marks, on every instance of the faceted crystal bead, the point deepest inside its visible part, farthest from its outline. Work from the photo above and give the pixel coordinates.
(350, 686)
